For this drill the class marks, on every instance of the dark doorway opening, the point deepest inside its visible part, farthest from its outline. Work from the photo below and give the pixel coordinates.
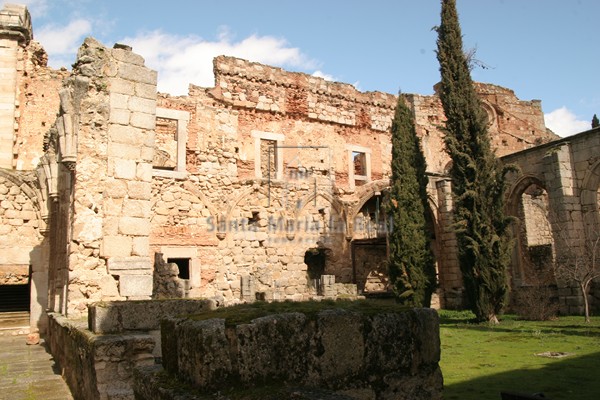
(14, 298)
(183, 264)
(315, 261)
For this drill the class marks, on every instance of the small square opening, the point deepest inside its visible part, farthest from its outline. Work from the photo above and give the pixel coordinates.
(183, 264)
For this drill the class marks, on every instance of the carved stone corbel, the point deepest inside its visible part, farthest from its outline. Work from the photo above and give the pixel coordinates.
(67, 127)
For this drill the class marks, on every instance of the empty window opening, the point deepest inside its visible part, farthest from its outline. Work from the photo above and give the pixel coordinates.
(183, 264)
(360, 163)
(315, 259)
(170, 140)
(254, 219)
(165, 152)
(268, 158)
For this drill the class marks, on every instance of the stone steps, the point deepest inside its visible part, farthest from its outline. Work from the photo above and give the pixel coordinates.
(14, 323)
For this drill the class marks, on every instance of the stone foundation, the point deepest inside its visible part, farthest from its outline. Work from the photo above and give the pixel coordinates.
(97, 367)
(389, 355)
(98, 359)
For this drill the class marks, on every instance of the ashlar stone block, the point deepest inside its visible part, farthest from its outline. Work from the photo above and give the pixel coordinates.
(135, 285)
(134, 226)
(116, 246)
(124, 169)
(129, 265)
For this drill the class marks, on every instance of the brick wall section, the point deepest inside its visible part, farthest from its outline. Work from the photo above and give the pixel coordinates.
(38, 104)
(229, 125)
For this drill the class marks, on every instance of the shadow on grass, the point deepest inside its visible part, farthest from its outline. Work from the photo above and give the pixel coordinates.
(570, 378)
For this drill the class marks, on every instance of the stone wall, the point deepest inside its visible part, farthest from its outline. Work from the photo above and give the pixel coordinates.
(106, 156)
(238, 219)
(97, 367)
(199, 187)
(566, 174)
(19, 228)
(97, 358)
(385, 355)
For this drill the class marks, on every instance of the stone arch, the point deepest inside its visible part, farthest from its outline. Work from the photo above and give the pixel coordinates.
(22, 241)
(517, 189)
(239, 197)
(323, 230)
(337, 205)
(492, 115)
(525, 253)
(364, 194)
(278, 216)
(28, 186)
(193, 189)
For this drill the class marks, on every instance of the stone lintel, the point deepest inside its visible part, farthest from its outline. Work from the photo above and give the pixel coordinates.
(129, 265)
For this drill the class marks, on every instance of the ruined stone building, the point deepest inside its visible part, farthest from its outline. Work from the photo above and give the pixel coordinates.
(268, 185)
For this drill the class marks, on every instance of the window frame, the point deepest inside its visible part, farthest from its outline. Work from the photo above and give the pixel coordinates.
(352, 177)
(182, 118)
(278, 138)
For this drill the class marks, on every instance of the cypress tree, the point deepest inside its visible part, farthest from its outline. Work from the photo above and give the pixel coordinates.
(478, 185)
(410, 261)
(595, 121)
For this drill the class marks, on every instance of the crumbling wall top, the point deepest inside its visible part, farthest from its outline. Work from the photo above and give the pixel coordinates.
(16, 20)
(225, 66)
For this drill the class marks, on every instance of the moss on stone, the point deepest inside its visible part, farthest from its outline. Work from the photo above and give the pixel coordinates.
(245, 313)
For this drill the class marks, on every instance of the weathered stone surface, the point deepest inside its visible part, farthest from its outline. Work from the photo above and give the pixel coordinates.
(385, 355)
(119, 316)
(124, 265)
(98, 366)
(135, 285)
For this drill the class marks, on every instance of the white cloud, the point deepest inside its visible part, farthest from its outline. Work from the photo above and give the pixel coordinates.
(321, 74)
(35, 7)
(181, 60)
(63, 41)
(563, 122)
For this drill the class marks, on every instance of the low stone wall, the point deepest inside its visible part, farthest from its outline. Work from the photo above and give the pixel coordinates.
(142, 315)
(98, 358)
(390, 355)
(97, 366)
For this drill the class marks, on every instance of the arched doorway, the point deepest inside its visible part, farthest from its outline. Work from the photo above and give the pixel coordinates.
(369, 247)
(533, 284)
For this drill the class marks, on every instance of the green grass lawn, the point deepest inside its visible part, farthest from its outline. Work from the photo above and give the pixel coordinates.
(479, 361)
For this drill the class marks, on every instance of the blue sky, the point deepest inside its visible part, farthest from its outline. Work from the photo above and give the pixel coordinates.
(542, 49)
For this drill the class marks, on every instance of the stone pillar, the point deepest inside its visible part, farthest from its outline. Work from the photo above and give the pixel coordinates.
(104, 135)
(15, 32)
(450, 276)
(566, 219)
(126, 228)
(327, 286)
(247, 288)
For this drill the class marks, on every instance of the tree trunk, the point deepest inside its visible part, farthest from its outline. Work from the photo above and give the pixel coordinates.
(584, 286)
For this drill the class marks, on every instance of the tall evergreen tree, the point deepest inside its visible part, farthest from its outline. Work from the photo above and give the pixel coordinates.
(478, 185)
(595, 121)
(410, 261)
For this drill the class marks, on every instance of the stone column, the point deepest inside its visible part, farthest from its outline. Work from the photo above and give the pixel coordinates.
(126, 228)
(104, 135)
(566, 219)
(450, 275)
(15, 32)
